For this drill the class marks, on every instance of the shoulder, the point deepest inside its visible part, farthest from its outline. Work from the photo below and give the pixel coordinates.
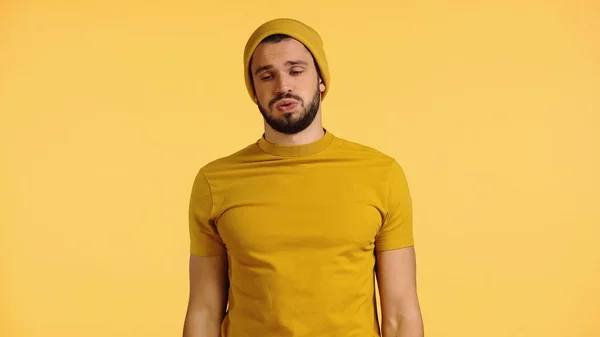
(371, 159)
(361, 150)
(219, 167)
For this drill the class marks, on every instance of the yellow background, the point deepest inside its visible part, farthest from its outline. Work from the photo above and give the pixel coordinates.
(109, 108)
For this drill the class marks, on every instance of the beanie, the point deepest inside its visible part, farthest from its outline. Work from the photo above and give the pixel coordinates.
(297, 30)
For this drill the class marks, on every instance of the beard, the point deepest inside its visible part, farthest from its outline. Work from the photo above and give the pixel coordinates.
(287, 124)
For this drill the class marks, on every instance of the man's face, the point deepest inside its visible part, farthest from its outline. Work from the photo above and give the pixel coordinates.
(286, 84)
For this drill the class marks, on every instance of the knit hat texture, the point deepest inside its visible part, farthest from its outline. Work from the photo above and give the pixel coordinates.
(299, 31)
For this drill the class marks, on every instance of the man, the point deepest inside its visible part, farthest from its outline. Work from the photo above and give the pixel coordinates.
(287, 233)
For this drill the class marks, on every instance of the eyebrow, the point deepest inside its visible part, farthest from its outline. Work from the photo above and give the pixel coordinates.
(288, 63)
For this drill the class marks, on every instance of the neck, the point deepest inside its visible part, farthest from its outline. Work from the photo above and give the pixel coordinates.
(309, 135)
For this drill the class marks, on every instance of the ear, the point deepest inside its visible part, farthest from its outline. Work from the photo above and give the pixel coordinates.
(321, 85)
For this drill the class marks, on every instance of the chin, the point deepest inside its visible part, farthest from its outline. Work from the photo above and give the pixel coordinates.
(286, 114)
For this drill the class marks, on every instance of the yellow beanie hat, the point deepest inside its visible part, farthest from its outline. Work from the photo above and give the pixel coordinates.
(299, 31)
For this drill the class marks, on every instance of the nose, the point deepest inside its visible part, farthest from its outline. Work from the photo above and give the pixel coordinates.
(284, 84)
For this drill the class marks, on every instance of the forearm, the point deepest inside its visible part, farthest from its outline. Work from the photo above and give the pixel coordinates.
(202, 323)
(403, 325)
(207, 303)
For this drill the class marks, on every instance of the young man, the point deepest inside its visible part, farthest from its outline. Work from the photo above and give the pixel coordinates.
(287, 233)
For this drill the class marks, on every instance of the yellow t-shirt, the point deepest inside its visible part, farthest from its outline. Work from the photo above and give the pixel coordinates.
(299, 225)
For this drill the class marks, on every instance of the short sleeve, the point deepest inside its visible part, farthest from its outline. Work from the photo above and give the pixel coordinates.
(397, 228)
(204, 238)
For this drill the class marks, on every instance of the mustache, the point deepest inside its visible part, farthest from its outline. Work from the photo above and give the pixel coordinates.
(280, 97)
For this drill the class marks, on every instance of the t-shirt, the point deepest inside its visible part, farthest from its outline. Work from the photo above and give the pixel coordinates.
(300, 226)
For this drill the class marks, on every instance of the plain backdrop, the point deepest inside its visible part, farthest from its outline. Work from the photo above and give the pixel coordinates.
(109, 108)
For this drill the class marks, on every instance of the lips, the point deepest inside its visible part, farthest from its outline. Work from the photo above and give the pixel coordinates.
(286, 104)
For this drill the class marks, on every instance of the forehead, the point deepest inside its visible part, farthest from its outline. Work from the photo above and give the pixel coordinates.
(277, 54)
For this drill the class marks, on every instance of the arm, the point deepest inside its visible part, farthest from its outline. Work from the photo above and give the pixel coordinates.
(208, 279)
(208, 296)
(396, 276)
(396, 265)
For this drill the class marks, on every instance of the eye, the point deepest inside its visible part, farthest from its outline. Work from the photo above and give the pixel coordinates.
(296, 72)
(265, 77)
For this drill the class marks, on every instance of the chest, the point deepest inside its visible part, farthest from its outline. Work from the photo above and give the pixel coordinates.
(298, 210)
